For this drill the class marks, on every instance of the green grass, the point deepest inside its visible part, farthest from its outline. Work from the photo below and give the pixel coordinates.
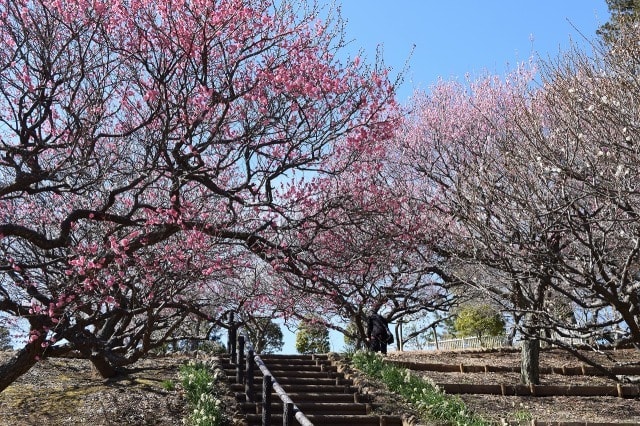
(168, 385)
(523, 416)
(424, 396)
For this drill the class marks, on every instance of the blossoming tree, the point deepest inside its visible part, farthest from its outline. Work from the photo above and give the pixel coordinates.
(373, 252)
(535, 179)
(144, 147)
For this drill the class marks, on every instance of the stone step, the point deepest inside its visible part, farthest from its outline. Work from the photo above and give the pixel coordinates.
(279, 373)
(286, 369)
(304, 388)
(230, 369)
(227, 360)
(318, 390)
(287, 366)
(302, 365)
(294, 357)
(293, 380)
(345, 408)
(303, 397)
(333, 420)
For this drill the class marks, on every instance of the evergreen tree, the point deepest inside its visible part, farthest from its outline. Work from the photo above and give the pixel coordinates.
(352, 340)
(478, 321)
(266, 336)
(622, 12)
(312, 338)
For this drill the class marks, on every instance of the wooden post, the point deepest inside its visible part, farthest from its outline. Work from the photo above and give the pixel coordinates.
(240, 361)
(267, 387)
(620, 390)
(287, 414)
(248, 385)
(231, 338)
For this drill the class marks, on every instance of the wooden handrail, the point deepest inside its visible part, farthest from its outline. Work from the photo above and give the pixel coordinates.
(286, 400)
(289, 407)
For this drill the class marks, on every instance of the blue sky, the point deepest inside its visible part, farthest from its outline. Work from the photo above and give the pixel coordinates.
(454, 38)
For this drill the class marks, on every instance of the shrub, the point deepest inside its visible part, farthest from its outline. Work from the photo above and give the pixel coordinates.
(168, 385)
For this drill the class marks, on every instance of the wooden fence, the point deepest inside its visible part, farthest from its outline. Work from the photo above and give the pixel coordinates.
(489, 342)
(581, 370)
(486, 342)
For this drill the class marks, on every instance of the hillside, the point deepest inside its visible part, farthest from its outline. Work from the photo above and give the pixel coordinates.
(67, 392)
(549, 409)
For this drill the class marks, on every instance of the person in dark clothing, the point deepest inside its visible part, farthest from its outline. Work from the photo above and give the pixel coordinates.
(377, 333)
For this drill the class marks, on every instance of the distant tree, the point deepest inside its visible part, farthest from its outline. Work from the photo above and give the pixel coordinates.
(479, 320)
(266, 336)
(449, 326)
(5, 339)
(622, 13)
(352, 338)
(312, 338)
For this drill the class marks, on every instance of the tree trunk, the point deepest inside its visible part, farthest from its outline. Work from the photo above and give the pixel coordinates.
(512, 334)
(530, 362)
(103, 366)
(194, 343)
(20, 363)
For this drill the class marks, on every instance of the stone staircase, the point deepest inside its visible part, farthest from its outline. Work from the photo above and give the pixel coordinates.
(316, 387)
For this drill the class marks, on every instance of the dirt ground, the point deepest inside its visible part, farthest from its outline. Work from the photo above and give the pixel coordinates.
(549, 409)
(67, 392)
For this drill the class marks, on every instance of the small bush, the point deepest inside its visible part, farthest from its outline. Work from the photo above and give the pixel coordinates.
(425, 396)
(523, 416)
(168, 385)
(312, 338)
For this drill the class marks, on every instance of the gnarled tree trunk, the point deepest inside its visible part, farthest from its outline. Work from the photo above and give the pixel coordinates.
(22, 362)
